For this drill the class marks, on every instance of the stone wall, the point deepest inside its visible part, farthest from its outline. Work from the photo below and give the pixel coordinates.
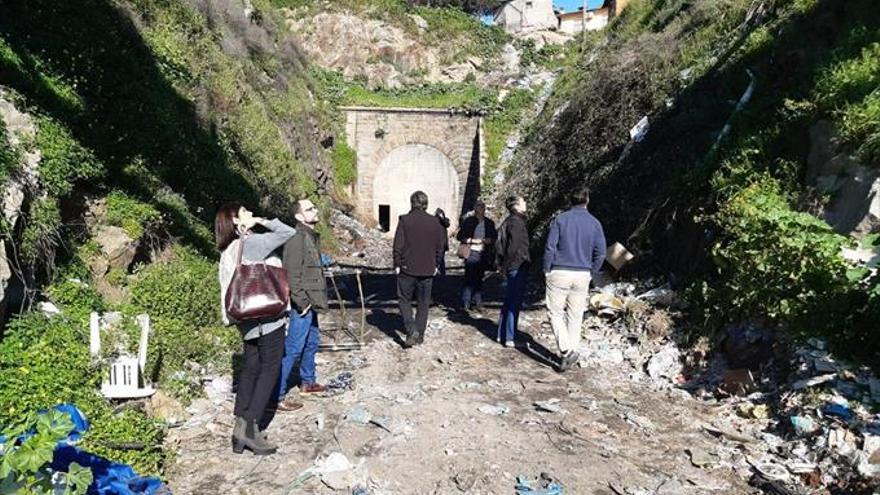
(388, 139)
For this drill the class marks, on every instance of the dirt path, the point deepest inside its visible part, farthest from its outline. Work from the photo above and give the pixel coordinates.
(615, 431)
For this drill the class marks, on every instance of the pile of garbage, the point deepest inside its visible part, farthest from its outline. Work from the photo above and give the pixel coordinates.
(792, 421)
(812, 432)
(626, 325)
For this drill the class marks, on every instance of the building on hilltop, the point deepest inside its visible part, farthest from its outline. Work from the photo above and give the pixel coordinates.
(523, 16)
(591, 19)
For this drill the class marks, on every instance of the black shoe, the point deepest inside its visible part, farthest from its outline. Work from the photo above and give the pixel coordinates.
(410, 341)
(567, 360)
(420, 338)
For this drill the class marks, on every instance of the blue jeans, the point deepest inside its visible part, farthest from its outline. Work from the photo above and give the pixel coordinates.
(513, 300)
(301, 344)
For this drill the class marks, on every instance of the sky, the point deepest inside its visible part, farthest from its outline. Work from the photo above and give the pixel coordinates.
(569, 5)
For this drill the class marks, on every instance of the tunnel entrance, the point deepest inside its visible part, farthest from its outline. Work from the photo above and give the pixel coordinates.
(410, 168)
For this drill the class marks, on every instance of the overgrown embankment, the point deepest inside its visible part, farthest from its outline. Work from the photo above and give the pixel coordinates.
(735, 190)
(125, 124)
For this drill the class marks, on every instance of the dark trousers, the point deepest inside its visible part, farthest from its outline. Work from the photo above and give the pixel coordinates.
(517, 280)
(408, 287)
(472, 292)
(259, 374)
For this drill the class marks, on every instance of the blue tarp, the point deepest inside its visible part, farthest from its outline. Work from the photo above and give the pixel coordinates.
(110, 478)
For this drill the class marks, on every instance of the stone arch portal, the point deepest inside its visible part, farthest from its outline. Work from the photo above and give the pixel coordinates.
(410, 168)
(402, 150)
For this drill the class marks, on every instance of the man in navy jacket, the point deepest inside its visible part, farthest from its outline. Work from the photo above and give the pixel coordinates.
(575, 250)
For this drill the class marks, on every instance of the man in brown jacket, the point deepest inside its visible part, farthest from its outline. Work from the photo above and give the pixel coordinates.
(418, 244)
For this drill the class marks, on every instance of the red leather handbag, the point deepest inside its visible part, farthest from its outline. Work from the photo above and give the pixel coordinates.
(257, 290)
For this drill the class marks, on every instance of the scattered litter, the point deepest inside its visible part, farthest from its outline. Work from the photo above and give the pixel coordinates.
(640, 130)
(618, 256)
(358, 415)
(803, 425)
(543, 485)
(665, 364)
(550, 405)
(770, 471)
(738, 381)
(343, 381)
(703, 458)
(606, 304)
(660, 296)
(812, 382)
(838, 410)
(494, 410)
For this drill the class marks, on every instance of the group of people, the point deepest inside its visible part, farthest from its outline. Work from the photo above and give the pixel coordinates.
(273, 347)
(575, 249)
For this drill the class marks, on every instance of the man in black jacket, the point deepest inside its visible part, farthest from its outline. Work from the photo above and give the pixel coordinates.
(513, 262)
(308, 293)
(479, 234)
(418, 242)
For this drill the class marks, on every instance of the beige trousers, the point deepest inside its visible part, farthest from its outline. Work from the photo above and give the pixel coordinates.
(567, 294)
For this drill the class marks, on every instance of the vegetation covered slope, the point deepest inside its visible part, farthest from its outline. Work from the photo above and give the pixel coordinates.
(152, 113)
(715, 197)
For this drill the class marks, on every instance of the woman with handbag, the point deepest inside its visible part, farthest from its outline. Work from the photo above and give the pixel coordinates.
(254, 295)
(477, 235)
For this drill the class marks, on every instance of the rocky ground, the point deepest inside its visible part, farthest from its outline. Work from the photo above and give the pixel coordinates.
(461, 414)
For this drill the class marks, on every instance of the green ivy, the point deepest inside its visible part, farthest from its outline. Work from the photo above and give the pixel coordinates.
(134, 216)
(344, 162)
(64, 160)
(44, 362)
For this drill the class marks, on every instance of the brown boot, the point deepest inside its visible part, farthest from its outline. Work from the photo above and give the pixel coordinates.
(289, 405)
(311, 388)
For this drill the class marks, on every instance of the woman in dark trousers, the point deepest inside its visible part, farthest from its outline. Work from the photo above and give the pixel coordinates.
(513, 262)
(477, 232)
(263, 339)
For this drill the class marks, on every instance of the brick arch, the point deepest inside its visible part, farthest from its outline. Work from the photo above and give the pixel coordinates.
(456, 136)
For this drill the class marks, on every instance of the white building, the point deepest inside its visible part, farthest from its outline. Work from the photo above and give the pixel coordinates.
(591, 20)
(521, 16)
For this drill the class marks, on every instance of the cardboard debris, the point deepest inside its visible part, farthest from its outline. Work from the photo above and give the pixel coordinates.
(738, 381)
(607, 304)
(812, 382)
(618, 256)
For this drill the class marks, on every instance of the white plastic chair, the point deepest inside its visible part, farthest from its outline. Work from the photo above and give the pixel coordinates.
(125, 377)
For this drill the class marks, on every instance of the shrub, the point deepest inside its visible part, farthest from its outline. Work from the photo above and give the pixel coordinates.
(45, 362)
(10, 158)
(132, 215)
(65, 161)
(181, 297)
(41, 234)
(774, 261)
(344, 162)
(130, 437)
